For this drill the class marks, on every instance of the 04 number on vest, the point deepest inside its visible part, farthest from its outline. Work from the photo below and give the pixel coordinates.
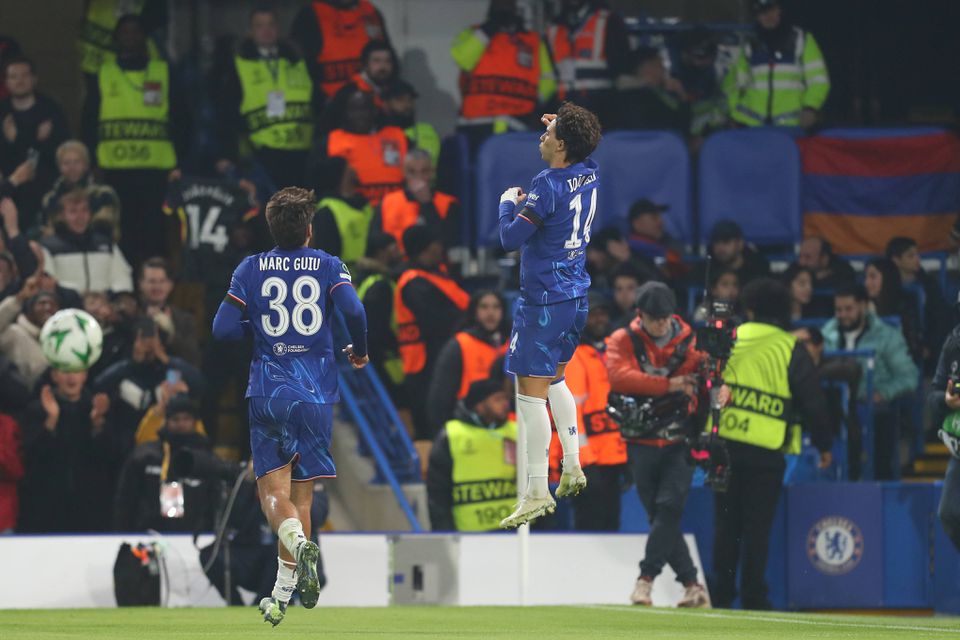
(276, 289)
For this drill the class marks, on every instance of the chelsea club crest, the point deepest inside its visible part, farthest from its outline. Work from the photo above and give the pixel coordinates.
(835, 545)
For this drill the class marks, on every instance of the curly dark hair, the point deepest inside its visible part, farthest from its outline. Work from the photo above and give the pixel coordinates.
(289, 214)
(579, 130)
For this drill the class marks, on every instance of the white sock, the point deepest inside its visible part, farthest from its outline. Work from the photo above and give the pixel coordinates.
(563, 406)
(286, 581)
(291, 535)
(536, 421)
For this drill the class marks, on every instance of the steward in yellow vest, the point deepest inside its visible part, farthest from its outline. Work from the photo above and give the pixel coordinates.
(96, 39)
(342, 222)
(472, 476)
(773, 383)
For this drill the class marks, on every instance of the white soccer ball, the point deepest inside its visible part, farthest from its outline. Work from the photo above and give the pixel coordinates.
(71, 340)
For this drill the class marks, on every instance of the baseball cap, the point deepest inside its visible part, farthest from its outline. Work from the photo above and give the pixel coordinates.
(646, 205)
(724, 231)
(480, 391)
(656, 299)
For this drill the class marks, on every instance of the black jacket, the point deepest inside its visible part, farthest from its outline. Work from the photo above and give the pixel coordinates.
(436, 315)
(70, 472)
(137, 504)
(447, 376)
(809, 406)
(947, 365)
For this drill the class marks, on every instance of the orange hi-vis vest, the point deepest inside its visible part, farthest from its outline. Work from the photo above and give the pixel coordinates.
(505, 81)
(364, 86)
(580, 56)
(376, 157)
(477, 356)
(586, 376)
(398, 213)
(345, 33)
(413, 350)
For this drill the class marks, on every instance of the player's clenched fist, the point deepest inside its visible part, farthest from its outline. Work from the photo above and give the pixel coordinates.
(513, 195)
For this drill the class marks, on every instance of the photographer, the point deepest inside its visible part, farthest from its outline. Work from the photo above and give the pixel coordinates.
(773, 383)
(173, 484)
(655, 358)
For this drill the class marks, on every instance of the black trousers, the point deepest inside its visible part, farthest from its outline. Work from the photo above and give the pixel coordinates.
(663, 477)
(743, 519)
(949, 510)
(144, 229)
(597, 508)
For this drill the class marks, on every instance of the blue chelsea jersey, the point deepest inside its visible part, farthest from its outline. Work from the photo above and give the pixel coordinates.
(553, 260)
(287, 297)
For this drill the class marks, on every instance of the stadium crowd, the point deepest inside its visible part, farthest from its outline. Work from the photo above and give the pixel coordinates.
(123, 218)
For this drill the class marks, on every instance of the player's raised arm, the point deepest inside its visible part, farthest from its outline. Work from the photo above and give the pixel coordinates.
(514, 231)
(345, 297)
(229, 323)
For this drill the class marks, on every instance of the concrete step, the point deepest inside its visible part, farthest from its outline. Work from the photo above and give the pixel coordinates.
(928, 466)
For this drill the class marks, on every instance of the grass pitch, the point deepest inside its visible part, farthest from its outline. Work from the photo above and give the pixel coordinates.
(460, 622)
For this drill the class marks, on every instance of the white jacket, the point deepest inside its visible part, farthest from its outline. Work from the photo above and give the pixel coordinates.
(90, 262)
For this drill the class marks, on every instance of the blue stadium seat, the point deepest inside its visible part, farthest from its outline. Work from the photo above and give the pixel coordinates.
(645, 164)
(752, 176)
(503, 161)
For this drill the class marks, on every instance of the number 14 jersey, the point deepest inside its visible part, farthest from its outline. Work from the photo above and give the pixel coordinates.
(562, 204)
(286, 295)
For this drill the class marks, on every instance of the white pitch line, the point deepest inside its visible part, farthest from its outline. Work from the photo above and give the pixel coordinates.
(754, 618)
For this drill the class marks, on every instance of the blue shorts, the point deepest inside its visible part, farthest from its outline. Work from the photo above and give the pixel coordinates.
(285, 431)
(545, 336)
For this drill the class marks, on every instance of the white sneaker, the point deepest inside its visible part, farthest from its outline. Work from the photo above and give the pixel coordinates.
(571, 483)
(642, 593)
(528, 510)
(695, 597)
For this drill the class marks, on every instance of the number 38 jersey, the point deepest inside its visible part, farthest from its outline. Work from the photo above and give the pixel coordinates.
(287, 299)
(562, 204)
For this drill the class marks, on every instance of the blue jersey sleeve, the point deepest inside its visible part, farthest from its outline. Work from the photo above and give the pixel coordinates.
(541, 198)
(239, 283)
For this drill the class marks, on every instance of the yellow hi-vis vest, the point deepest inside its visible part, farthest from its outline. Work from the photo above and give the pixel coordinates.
(96, 40)
(134, 129)
(276, 103)
(391, 361)
(760, 409)
(484, 474)
(353, 225)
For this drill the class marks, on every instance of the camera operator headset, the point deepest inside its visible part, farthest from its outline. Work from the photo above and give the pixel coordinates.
(944, 404)
(773, 384)
(652, 364)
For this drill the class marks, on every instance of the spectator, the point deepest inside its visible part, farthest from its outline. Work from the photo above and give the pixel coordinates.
(375, 153)
(936, 314)
(73, 162)
(476, 448)
(96, 43)
(428, 305)
(178, 327)
(342, 222)
(11, 471)
(136, 161)
(730, 251)
(467, 356)
(9, 49)
(332, 35)
(608, 252)
(881, 279)
(779, 77)
(419, 203)
(132, 382)
(625, 283)
(654, 357)
(505, 71)
(650, 242)
(377, 283)
(724, 287)
(378, 71)
(70, 456)
(116, 326)
(895, 374)
(20, 342)
(265, 94)
(648, 97)
(943, 402)
(183, 456)
(400, 99)
(696, 71)
(33, 126)
(590, 48)
(80, 257)
(22, 254)
(799, 282)
(829, 271)
(603, 453)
